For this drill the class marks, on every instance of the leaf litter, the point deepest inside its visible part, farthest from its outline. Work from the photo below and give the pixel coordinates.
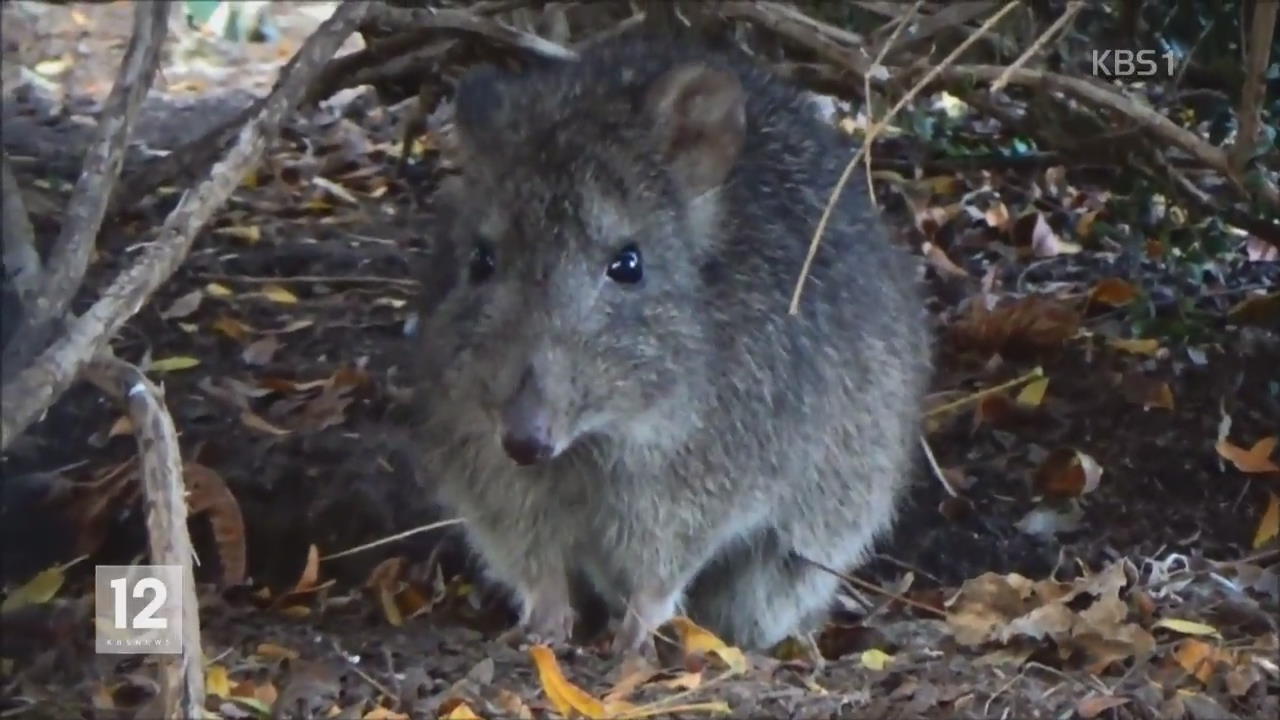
(283, 385)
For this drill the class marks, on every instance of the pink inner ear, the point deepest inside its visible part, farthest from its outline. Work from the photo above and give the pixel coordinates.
(699, 122)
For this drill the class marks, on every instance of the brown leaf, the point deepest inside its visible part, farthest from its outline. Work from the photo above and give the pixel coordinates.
(1067, 473)
(1113, 292)
(1094, 705)
(1256, 459)
(310, 572)
(1031, 325)
(1269, 525)
(208, 493)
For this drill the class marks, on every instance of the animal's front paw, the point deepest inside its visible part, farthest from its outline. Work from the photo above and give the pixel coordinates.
(550, 624)
(646, 611)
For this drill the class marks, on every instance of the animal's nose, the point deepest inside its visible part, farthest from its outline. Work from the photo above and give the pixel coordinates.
(526, 449)
(526, 423)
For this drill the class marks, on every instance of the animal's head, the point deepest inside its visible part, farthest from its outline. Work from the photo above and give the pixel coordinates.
(564, 301)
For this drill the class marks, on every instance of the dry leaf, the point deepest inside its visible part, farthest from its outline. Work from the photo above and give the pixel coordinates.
(1256, 459)
(875, 659)
(249, 234)
(1028, 326)
(1257, 310)
(696, 640)
(1136, 346)
(255, 421)
(1066, 473)
(1032, 394)
(183, 306)
(1198, 658)
(122, 426)
(216, 681)
(278, 294)
(39, 590)
(232, 328)
(1187, 627)
(1113, 291)
(1094, 705)
(275, 652)
(462, 711)
(172, 364)
(310, 572)
(218, 290)
(564, 695)
(260, 352)
(1269, 525)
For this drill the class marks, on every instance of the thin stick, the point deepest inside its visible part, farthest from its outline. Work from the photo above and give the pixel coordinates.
(866, 85)
(393, 538)
(335, 279)
(1034, 374)
(1255, 89)
(871, 135)
(1073, 8)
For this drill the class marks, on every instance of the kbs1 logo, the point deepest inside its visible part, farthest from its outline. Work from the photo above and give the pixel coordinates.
(1130, 64)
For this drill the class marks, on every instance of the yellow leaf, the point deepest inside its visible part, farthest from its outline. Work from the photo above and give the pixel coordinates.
(218, 290)
(177, 362)
(248, 233)
(1186, 627)
(462, 712)
(122, 426)
(1256, 459)
(1033, 393)
(390, 610)
(216, 681)
(1269, 526)
(275, 293)
(260, 708)
(874, 659)
(696, 639)
(274, 651)
(565, 696)
(36, 591)
(381, 713)
(232, 328)
(1137, 347)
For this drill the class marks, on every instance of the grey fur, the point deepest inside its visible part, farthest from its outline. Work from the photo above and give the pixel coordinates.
(703, 437)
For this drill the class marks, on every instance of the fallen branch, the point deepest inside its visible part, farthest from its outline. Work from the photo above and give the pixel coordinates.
(829, 42)
(1255, 89)
(69, 257)
(1101, 95)
(164, 498)
(22, 261)
(398, 20)
(36, 387)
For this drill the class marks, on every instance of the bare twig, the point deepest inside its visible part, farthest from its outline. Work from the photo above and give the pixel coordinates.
(36, 387)
(1073, 8)
(872, 132)
(866, 85)
(398, 19)
(832, 43)
(69, 257)
(21, 259)
(1101, 95)
(164, 492)
(1254, 89)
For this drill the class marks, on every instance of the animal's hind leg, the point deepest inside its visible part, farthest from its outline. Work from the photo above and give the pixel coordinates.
(755, 596)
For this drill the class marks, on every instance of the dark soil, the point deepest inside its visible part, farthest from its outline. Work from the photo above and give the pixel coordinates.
(343, 475)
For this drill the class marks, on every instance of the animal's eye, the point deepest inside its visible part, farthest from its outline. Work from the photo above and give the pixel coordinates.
(482, 264)
(626, 267)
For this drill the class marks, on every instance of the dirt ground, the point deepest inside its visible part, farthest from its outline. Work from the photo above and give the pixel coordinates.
(286, 338)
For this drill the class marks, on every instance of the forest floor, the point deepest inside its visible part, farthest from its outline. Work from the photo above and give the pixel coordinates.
(1092, 543)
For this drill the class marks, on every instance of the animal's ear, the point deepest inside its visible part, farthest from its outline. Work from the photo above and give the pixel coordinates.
(699, 121)
(480, 108)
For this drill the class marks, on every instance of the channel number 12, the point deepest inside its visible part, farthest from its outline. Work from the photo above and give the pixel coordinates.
(144, 620)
